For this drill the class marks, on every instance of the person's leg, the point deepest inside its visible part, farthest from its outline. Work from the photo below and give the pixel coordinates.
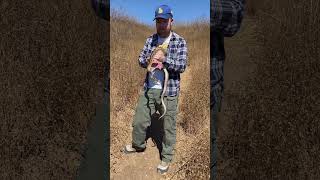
(169, 126)
(213, 144)
(142, 119)
(216, 94)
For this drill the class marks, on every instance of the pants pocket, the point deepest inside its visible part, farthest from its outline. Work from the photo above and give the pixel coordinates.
(171, 103)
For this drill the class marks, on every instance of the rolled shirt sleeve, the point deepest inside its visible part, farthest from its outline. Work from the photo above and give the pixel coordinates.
(178, 64)
(143, 57)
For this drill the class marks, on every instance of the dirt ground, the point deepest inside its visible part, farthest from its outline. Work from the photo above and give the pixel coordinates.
(53, 56)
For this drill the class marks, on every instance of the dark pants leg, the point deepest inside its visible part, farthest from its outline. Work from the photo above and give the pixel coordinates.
(216, 93)
(147, 103)
(169, 126)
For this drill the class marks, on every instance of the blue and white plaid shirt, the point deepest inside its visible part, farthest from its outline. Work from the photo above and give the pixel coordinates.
(175, 61)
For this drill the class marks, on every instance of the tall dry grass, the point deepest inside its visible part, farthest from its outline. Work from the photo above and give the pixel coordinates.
(195, 119)
(196, 101)
(277, 115)
(52, 58)
(127, 78)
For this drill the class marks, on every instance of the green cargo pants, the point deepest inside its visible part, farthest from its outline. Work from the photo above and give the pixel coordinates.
(149, 102)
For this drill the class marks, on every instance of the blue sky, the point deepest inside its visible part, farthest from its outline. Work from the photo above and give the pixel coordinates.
(183, 11)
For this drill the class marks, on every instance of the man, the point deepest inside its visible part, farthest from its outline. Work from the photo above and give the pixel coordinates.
(149, 100)
(226, 17)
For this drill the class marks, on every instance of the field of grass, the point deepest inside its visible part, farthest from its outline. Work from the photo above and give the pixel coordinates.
(274, 129)
(53, 55)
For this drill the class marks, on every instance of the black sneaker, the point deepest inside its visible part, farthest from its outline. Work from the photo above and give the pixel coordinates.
(128, 149)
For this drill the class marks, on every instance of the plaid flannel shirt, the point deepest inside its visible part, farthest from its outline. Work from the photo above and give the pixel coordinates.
(225, 21)
(175, 61)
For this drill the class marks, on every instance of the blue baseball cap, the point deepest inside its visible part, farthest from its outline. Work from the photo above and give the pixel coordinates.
(163, 11)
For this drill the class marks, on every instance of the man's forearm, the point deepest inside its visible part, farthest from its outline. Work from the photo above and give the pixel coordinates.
(143, 63)
(143, 60)
(178, 64)
(143, 54)
(226, 16)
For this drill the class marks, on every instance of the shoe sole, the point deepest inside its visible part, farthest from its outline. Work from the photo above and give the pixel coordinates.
(125, 151)
(162, 172)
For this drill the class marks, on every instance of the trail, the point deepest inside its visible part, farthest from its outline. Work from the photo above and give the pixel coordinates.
(142, 166)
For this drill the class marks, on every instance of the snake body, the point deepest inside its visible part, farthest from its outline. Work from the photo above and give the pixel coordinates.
(151, 69)
(165, 84)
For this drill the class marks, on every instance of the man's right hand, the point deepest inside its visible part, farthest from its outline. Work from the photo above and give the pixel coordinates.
(158, 57)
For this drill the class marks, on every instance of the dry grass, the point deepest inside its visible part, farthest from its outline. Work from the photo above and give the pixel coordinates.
(276, 114)
(127, 40)
(51, 68)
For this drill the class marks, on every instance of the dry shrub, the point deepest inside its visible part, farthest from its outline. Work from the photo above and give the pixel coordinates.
(195, 162)
(195, 107)
(51, 67)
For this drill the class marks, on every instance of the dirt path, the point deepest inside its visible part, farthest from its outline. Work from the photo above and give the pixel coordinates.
(142, 166)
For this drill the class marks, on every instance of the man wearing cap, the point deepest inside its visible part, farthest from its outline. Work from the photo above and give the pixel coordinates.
(175, 62)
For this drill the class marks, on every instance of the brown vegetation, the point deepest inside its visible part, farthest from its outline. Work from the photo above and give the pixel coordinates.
(275, 114)
(52, 58)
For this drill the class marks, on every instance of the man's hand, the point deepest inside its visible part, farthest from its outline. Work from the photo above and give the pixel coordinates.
(157, 64)
(158, 57)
